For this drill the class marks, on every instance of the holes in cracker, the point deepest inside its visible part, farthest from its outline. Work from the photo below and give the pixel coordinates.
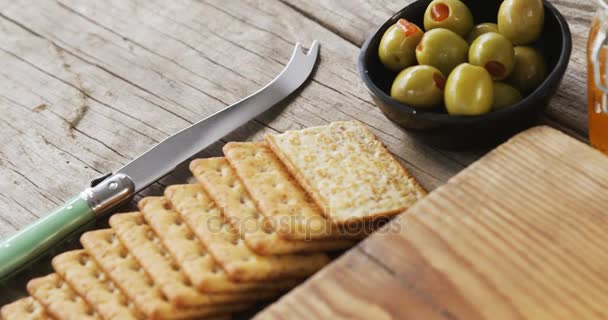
(83, 260)
(29, 308)
(190, 235)
(215, 269)
(163, 296)
(139, 220)
(166, 205)
(59, 285)
(187, 282)
(150, 235)
(178, 221)
(123, 253)
(267, 229)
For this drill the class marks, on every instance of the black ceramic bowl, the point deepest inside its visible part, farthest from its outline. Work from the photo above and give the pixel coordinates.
(437, 127)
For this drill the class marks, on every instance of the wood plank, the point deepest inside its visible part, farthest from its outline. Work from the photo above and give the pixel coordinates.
(352, 294)
(506, 238)
(355, 20)
(92, 85)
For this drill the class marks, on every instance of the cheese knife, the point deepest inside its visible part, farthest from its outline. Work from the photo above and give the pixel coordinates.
(118, 187)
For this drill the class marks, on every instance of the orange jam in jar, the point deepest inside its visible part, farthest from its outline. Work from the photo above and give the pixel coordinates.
(597, 87)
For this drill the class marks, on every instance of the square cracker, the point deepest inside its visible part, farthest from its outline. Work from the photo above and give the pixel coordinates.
(83, 275)
(188, 251)
(347, 171)
(59, 300)
(223, 186)
(279, 196)
(148, 250)
(116, 261)
(227, 246)
(24, 309)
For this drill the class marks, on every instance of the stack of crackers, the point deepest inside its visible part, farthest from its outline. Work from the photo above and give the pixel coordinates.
(259, 221)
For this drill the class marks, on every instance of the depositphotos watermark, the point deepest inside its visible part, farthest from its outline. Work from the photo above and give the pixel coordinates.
(302, 227)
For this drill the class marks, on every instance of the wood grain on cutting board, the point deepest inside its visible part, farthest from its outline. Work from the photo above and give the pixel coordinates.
(520, 234)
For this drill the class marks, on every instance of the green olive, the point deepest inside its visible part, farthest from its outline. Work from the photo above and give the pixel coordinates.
(419, 86)
(529, 71)
(469, 91)
(495, 53)
(397, 49)
(521, 21)
(442, 49)
(505, 96)
(480, 29)
(449, 14)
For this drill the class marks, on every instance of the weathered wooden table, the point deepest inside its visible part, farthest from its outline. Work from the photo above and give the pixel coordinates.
(87, 85)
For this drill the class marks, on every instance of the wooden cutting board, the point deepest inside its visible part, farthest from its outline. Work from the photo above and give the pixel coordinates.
(520, 234)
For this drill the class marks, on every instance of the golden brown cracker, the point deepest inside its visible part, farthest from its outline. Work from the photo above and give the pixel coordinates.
(83, 274)
(347, 171)
(120, 265)
(226, 245)
(24, 309)
(146, 247)
(279, 196)
(187, 250)
(224, 187)
(59, 300)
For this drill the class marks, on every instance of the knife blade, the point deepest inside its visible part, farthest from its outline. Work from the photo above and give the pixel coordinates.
(164, 157)
(116, 188)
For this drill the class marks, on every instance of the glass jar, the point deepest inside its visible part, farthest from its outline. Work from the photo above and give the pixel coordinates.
(597, 87)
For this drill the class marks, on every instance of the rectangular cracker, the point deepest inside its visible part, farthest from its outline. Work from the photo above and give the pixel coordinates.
(59, 300)
(223, 186)
(188, 251)
(120, 265)
(83, 275)
(347, 171)
(226, 245)
(24, 309)
(146, 247)
(279, 196)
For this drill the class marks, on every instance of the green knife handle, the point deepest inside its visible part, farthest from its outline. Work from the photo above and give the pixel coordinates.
(37, 238)
(43, 234)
